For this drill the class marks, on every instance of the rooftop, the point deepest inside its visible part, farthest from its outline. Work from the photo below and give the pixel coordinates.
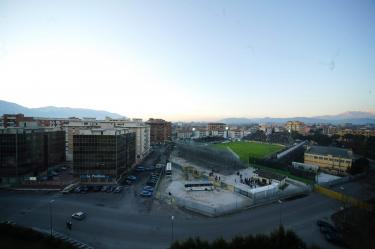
(100, 131)
(329, 150)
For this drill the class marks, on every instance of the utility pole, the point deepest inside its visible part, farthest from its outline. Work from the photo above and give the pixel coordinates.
(280, 202)
(172, 218)
(50, 216)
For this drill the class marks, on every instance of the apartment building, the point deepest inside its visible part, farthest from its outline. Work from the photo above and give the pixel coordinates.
(217, 129)
(295, 126)
(142, 131)
(236, 133)
(103, 156)
(184, 133)
(199, 132)
(29, 152)
(361, 131)
(331, 159)
(160, 130)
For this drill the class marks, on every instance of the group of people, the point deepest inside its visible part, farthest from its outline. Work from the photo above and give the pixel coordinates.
(251, 181)
(217, 178)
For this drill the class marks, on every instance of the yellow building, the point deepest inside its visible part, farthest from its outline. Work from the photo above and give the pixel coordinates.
(363, 132)
(331, 159)
(296, 126)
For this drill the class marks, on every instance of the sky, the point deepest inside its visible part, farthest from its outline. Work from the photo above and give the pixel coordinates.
(190, 60)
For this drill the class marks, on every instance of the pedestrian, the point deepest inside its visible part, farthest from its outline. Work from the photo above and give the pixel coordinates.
(69, 224)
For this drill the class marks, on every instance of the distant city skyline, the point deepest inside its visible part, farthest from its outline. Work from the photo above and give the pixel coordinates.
(190, 60)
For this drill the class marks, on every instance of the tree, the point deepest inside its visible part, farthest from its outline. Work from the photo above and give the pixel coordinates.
(359, 166)
(278, 239)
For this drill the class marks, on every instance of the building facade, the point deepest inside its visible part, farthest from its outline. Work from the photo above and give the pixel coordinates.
(217, 129)
(103, 156)
(330, 159)
(295, 126)
(14, 120)
(142, 132)
(236, 133)
(73, 128)
(29, 152)
(160, 130)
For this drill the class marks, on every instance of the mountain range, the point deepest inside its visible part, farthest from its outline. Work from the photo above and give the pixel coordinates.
(54, 112)
(353, 117)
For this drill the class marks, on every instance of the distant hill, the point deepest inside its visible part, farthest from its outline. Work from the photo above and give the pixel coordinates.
(354, 117)
(54, 112)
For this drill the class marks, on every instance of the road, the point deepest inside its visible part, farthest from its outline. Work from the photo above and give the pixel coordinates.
(128, 221)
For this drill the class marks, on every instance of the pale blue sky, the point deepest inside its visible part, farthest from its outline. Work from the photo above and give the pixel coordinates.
(190, 60)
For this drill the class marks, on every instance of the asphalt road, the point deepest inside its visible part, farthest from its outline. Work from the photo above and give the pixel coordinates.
(128, 221)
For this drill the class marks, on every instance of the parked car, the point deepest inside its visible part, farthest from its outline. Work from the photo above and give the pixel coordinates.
(85, 189)
(77, 189)
(97, 188)
(44, 178)
(127, 182)
(150, 183)
(118, 189)
(131, 178)
(110, 189)
(79, 215)
(148, 188)
(104, 188)
(54, 173)
(140, 169)
(153, 179)
(145, 193)
(149, 168)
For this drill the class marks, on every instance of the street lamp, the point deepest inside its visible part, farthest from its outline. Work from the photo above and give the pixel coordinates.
(50, 214)
(280, 202)
(172, 218)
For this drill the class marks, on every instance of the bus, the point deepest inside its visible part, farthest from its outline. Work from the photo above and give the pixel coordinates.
(199, 186)
(168, 169)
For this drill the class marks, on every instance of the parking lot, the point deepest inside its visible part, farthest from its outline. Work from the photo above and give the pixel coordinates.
(135, 191)
(55, 177)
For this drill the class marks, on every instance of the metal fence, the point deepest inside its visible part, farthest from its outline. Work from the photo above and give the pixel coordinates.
(212, 210)
(342, 180)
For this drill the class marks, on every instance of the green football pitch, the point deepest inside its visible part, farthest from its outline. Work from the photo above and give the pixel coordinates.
(251, 149)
